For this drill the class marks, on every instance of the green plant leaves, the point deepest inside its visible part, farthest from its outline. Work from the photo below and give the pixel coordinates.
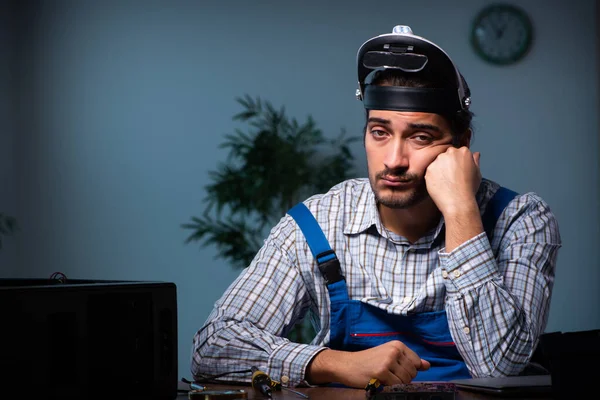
(273, 162)
(234, 238)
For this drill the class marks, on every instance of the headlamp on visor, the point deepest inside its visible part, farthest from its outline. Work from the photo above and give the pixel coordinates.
(412, 55)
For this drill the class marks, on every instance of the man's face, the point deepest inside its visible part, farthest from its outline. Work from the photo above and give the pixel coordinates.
(400, 145)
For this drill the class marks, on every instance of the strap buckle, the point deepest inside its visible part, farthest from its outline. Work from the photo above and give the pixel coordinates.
(329, 265)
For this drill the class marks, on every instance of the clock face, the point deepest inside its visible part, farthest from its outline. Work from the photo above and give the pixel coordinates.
(502, 34)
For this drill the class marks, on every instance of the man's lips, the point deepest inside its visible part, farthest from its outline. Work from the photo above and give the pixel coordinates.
(392, 181)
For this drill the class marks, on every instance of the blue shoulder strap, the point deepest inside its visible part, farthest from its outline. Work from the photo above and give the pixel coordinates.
(319, 246)
(494, 208)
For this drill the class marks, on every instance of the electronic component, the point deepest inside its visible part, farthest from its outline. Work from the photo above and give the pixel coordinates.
(217, 394)
(415, 391)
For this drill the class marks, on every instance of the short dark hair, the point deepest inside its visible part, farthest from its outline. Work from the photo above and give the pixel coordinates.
(459, 122)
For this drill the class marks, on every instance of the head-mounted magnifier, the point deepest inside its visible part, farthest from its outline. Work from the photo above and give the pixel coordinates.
(413, 55)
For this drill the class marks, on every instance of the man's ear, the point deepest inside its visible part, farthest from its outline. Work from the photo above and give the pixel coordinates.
(365, 128)
(465, 138)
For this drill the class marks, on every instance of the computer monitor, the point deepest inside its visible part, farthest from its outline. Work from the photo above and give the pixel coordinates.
(80, 338)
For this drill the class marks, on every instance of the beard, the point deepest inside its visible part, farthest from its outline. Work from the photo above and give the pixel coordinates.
(397, 198)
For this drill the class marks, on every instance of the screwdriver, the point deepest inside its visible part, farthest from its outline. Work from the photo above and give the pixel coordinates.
(261, 382)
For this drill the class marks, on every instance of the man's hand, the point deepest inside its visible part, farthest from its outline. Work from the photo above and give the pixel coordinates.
(392, 363)
(453, 179)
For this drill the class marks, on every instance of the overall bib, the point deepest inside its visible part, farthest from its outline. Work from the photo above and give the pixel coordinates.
(355, 325)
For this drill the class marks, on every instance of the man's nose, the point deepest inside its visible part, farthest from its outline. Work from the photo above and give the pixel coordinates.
(396, 155)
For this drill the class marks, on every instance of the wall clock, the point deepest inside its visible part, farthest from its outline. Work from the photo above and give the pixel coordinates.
(502, 34)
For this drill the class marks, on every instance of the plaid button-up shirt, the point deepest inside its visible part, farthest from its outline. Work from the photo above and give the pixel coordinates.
(496, 292)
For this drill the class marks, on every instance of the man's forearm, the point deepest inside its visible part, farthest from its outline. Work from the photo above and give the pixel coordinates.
(241, 345)
(462, 224)
(486, 320)
(322, 368)
(491, 331)
(497, 311)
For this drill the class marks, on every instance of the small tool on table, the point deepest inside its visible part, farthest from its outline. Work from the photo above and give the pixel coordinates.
(265, 385)
(373, 386)
(261, 382)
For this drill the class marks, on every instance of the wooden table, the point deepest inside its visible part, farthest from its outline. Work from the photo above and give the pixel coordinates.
(332, 393)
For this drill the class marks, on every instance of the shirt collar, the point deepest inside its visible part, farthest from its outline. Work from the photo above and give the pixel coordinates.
(364, 215)
(364, 212)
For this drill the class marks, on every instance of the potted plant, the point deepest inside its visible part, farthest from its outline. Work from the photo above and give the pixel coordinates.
(273, 163)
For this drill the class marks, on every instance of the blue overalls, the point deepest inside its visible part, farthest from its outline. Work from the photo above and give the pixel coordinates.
(355, 325)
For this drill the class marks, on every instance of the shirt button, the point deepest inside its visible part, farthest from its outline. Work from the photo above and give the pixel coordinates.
(406, 300)
(466, 330)
(285, 379)
(456, 273)
(444, 274)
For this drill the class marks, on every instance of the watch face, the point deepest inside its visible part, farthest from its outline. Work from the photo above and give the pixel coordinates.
(501, 34)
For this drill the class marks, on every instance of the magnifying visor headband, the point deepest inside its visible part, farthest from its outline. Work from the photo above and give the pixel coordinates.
(410, 55)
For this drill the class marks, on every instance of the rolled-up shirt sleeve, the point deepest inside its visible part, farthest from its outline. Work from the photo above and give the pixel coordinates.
(249, 323)
(498, 303)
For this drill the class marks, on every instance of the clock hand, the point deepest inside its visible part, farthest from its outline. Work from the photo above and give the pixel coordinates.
(500, 31)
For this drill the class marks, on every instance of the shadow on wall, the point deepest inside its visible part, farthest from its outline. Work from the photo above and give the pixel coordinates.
(8, 226)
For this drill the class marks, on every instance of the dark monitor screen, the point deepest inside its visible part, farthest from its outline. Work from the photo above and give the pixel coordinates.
(89, 338)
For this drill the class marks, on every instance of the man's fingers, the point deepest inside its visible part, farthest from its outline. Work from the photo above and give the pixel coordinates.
(476, 157)
(402, 374)
(411, 371)
(413, 358)
(389, 378)
(406, 371)
(424, 365)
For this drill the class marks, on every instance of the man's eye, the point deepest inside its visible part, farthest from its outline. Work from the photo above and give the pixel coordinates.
(378, 133)
(422, 138)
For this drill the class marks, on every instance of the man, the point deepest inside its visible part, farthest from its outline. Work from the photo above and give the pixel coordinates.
(425, 271)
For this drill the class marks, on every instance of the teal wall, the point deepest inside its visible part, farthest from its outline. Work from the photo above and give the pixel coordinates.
(8, 92)
(121, 106)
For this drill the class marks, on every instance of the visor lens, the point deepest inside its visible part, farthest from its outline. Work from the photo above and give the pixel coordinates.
(407, 62)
